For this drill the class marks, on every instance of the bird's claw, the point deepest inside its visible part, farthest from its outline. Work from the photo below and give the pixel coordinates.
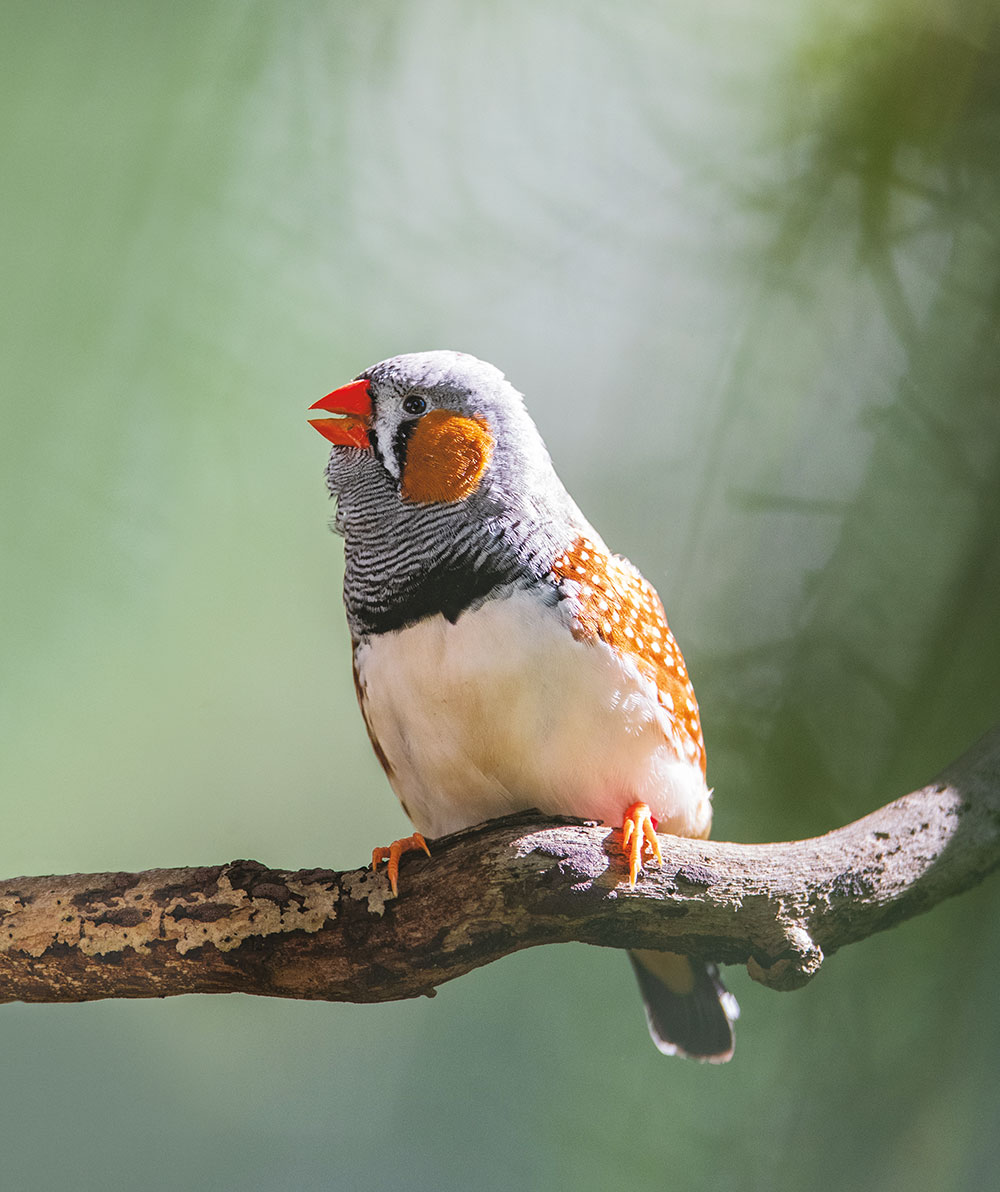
(639, 836)
(395, 850)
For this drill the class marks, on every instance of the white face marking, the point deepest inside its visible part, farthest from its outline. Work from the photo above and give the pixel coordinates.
(389, 416)
(386, 425)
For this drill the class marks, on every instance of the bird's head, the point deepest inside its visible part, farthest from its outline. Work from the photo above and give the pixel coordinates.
(444, 488)
(435, 428)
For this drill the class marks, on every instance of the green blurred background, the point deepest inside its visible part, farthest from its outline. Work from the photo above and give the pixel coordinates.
(744, 259)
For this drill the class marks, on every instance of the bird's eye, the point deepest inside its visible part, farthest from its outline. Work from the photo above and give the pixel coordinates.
(414, 404)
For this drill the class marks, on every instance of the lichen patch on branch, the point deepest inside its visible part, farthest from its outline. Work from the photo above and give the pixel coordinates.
(159, 907)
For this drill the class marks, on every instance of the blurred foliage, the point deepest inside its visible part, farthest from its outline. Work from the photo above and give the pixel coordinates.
(743, 260)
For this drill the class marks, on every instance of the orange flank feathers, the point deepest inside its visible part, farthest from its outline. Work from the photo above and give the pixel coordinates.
(445, 458)
(616, 605)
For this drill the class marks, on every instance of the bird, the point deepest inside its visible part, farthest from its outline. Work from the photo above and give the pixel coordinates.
(504, 658)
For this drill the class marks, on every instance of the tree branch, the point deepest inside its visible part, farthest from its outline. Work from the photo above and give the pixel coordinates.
(492, 890)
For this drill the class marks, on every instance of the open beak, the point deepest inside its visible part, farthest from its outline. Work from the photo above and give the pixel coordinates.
(354, 407)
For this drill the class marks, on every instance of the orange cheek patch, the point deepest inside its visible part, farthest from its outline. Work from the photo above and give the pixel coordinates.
(445, 458)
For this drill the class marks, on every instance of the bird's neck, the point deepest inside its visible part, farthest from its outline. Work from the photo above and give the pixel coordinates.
(404, 563)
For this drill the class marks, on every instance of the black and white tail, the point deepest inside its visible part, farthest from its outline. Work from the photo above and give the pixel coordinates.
(688, 1009)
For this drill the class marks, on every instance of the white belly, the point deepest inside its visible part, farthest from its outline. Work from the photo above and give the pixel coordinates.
(504, 710)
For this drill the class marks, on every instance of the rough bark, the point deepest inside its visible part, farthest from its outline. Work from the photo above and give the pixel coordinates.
(489, 891)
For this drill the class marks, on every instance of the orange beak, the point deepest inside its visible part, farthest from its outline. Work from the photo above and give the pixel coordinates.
(354, 406)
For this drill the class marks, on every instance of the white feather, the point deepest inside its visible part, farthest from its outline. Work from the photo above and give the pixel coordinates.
(504, 710)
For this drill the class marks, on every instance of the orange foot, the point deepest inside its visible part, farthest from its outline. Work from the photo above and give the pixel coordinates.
(395, 850)
(639, 835)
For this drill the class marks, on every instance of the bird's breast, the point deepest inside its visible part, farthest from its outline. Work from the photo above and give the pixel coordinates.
(505, 709)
